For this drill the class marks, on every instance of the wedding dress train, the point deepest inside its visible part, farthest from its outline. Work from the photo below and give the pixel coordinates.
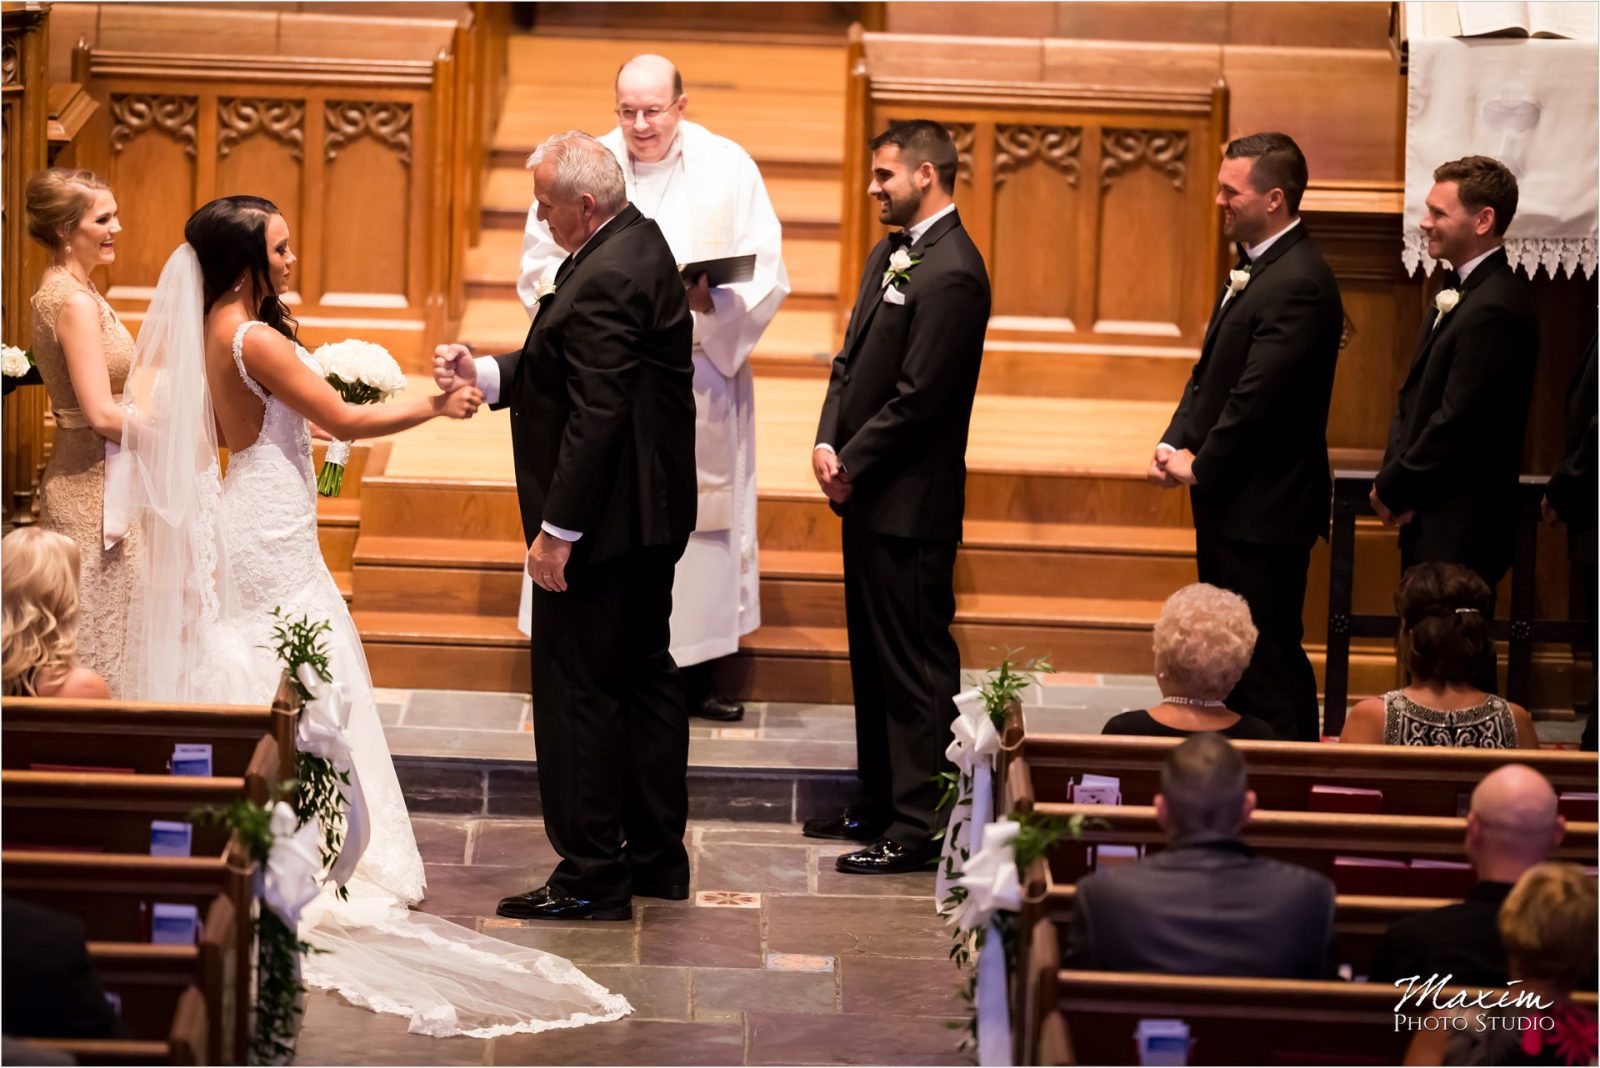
(253, 536)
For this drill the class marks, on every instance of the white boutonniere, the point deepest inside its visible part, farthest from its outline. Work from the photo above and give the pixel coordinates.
(546, 287)
(1237, 280)
(900, 264)
(1444, 302)
(18, 362)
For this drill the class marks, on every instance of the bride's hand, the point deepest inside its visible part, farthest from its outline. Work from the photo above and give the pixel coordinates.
(458, 403)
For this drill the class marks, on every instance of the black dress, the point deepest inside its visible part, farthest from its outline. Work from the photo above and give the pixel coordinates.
(1139, 721)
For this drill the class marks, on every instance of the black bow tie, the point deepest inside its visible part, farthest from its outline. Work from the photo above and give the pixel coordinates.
(1244, 261)
(899, 239)
(1451, 280)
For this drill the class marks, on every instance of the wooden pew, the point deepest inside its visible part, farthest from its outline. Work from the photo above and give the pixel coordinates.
(1414, 781)
(1311, 839)
(113, 895)
(183, 1043)
(139, 735)
(150, 979)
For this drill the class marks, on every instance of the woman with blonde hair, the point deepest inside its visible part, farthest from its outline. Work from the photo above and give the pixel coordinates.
(1203, 640)
(83, 353)
(39, 576)
(1548, 926)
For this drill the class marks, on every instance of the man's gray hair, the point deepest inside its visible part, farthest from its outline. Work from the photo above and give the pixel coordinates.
(583, 165)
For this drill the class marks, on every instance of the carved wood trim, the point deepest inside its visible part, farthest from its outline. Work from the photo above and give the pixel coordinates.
(1186, 103)
(240, 118)
(10, 62)
(1165, 150)
(134, 113)
(290, 70)
(1056, 146)
(388, 121)
(962, 133)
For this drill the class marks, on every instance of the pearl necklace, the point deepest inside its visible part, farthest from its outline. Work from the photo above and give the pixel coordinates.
(1193, 702)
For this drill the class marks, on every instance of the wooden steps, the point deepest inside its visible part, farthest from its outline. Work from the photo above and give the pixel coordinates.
(494, 264)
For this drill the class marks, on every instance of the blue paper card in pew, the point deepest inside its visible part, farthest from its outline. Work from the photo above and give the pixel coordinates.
(1162, 1042)
(192, 759)
(174, 925)
(169, 838)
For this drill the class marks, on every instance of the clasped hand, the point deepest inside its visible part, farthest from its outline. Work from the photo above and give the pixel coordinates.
(457, 377)
(1171, 467)
(831, 475)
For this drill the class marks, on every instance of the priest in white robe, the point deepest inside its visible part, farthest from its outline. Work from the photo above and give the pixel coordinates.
(706, 194)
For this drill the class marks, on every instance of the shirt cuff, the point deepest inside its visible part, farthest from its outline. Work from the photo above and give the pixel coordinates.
(824, 445)
(559, 532)
(1165, 445)
(488, 378)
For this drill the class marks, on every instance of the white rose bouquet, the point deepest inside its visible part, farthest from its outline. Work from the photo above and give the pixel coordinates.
(362, 373)
(18, 368)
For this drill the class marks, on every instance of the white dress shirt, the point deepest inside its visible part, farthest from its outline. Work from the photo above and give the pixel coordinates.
(1468, 267)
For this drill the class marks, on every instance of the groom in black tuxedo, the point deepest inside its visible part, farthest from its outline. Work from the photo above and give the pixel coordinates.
(1250, 435)
(602, 427)
(891, 456)
(1450, 472)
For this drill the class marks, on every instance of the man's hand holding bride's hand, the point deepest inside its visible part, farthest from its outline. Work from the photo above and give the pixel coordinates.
(460, 403)
(453, 366)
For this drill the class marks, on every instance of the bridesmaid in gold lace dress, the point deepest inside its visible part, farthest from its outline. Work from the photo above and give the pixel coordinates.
(83, 353)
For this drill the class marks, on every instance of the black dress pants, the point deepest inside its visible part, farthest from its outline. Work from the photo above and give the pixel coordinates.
(611, 729)
(1279, 685)
(905, 668)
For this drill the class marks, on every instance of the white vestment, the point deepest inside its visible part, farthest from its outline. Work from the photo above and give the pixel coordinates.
(708, 198)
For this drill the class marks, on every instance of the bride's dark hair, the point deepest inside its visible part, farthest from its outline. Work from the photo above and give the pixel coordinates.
(229, 236)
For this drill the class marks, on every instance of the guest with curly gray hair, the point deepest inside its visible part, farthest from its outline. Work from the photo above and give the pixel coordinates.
(1203, 642)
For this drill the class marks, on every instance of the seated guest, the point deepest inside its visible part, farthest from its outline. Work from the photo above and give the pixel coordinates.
(1548, 925)
(1512, 825)
(40, 629)
(1444, 614)
(1206, 905)
(1203, 641)
(50, 986)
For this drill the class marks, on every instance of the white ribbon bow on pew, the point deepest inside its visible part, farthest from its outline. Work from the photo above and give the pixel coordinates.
(973, 748)
(321, 733)
(289, 882)
(992, 884)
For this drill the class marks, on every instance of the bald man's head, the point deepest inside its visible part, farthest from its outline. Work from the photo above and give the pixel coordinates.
(1513, 823)
(650, 102)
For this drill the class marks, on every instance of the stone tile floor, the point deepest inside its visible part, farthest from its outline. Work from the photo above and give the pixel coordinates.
(775, 959)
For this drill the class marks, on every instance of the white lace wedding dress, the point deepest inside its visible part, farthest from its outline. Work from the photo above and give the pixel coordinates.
(221, 556)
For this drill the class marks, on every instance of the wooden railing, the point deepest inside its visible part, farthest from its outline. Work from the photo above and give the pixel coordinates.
(1069, 168)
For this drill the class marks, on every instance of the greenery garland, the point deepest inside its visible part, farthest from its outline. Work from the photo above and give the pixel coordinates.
(299, 641)
(279, 991)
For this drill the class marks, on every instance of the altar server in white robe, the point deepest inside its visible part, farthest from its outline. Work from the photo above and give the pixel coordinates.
(706, 194)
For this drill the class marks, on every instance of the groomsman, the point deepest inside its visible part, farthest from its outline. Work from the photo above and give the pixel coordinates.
(891, 457)
(706, 194)
(1449, 475)
(1250, 435)
(1569, 500)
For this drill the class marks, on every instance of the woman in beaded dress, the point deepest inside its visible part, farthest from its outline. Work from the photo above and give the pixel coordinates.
(1445, 612)
(83, 353)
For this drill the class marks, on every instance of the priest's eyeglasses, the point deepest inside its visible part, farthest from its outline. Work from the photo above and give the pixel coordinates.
(651, 115)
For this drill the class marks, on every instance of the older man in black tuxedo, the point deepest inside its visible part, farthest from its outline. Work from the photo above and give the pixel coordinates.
(891, 456)
(1449, 476)
(1250, 435)
(602, 428)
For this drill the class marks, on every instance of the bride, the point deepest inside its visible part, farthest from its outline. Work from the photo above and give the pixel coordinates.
(218, 358)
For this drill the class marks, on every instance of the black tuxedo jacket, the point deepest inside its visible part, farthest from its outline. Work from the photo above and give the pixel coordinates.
(1255, 411)
(1455, 441)
(900, 396)
(1572, 490)
(602, 399)
(1204, 906)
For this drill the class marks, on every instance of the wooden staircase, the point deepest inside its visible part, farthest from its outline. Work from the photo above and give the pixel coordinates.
(1069, 551)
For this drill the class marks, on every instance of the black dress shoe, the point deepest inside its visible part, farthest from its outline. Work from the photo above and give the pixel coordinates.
(547, 904)
(852, 826)
(884, 857)
(720, 709)
(665, 891)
